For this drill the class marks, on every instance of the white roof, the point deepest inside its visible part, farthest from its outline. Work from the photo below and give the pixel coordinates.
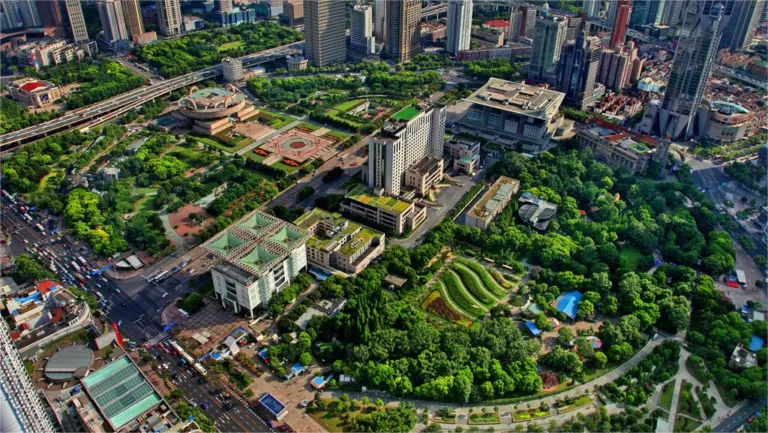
(134, 261)
(741, 276)
(662, 425)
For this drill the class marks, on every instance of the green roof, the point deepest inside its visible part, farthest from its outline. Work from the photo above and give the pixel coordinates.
(257, 258)
(364, 196)
(308, 219)
(361, 239)
(638, 147)
(406, 113)
(256, 223)
(226, 243)
(120, 392)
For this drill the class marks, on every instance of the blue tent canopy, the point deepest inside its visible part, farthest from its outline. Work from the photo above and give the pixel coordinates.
(532, 327)
(756, 344)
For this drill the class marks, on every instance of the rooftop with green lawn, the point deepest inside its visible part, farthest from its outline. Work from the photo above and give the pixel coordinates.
(406, 114)
(325, 240)
(365, 196)
(359, 241)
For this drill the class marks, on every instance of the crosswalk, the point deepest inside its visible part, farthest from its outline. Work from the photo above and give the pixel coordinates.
(158, 338)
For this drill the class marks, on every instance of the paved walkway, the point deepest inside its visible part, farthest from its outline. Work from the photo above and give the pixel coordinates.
(271, 135)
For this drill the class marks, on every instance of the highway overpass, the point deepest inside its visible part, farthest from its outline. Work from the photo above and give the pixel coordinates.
(116, 106)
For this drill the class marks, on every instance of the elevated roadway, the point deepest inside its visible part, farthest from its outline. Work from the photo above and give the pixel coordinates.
(116, 106)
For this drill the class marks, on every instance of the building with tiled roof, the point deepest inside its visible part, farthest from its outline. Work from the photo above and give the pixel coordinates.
(260, 255)
(619, 147)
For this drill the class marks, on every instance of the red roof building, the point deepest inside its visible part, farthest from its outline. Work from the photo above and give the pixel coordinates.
(31, 85)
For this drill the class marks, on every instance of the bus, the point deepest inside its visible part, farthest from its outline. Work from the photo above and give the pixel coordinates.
(83, 261)
(159, 278)
(76, 266)
(200, 369)
(40, 228)
(184, 314)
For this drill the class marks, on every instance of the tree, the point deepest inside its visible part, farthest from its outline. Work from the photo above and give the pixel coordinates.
(564, 336)
(305, 359)
(620, 352)
(600, 360)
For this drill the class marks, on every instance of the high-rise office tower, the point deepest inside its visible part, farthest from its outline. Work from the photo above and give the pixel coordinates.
(459, 28)
(361, 29)
(325, 37)
(133, 19)
(20, 404)
(671, 13)
(20, 13)
(225, 6)
(169, 17)
(112, 20)
(575, 25)
(402, 38)
(577, 71)
(403, 143)
(522, 22)
(50, 13)
(691, 67)
(646, 12)
(591, 7)
(744, 19)
(76, 21)
(379, 12)
(548, 40)
(620, 23)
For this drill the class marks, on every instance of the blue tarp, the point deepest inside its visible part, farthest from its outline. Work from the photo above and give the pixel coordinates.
(756, 344)
(568, 303)
(532, 327)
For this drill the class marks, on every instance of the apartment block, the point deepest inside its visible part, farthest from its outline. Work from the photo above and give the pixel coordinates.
(492, 203)
(387, 213)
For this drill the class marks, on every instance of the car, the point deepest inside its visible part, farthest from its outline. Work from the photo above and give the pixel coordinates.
(26, 241)
(204, 406)
(751, 419)
(304, 403)
(228, 405)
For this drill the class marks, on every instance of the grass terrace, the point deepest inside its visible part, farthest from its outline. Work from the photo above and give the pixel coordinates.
(578, 403)
(529, 414)
(406, 114)
(230, 46)
(359, 241)
(364, 195)
(348, 105)
(667, 392)
(484, 418)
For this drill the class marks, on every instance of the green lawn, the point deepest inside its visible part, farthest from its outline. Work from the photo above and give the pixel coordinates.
(44, 181)
(278, 120)
(256, 157)
(686, 404)
(667, 392)
(335, 114)
(230, 46)
(484, 418)
(287, 168)
(312, 126)
(529, 414)
(218, 144)
(348, 105)
(146, 190)
(143, 204)
(340, 135)
(685, 425)
(633, 255)
(582, 401)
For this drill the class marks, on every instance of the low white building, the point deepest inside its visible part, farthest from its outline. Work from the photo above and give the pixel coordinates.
(260, 255)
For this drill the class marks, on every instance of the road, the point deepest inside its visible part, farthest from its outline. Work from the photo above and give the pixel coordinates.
(739, 418)
(134, 304)
(198, 390)
(117, 105)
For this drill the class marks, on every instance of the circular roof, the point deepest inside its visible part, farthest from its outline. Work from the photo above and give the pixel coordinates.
(69, 362)
(729, 107)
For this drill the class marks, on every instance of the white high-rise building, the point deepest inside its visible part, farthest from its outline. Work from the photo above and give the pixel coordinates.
(21, 409)
(169, 17)
(361, 29)
(411, 135)
(260, 255)
(232, 69)
(459, 28)
(225, 6)
(112, 20)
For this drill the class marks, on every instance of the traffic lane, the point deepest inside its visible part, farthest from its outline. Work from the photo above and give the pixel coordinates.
(732, 423)
(238, 418)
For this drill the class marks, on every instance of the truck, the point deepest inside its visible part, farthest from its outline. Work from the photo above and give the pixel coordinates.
(76, 266)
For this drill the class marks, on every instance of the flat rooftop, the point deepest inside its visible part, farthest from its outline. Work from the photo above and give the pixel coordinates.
(426, 165)
(519, 98)
(406, 114)
(365, 196)
(359, 241)
(619, 138)
(492, 199)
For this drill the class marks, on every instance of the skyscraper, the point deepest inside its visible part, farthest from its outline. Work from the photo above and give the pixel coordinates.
(671, 13)
(577, 70)
(169, 17)
(20, 13)
(620, 23)
(620, 66)
(112, 21)
(76, 28)
(379, 12)
(522, 22)
(744, 19)
(691, 67)
(548, 40)
(133, 19)
(50, 13)
(361, 29)
(459, 25)
(591, 7)
(20, 404)
(646, 12)
(294, 11)
(402, 38)
(325, 37)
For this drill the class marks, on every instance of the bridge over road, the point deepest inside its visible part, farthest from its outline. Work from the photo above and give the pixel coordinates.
(116, 106)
